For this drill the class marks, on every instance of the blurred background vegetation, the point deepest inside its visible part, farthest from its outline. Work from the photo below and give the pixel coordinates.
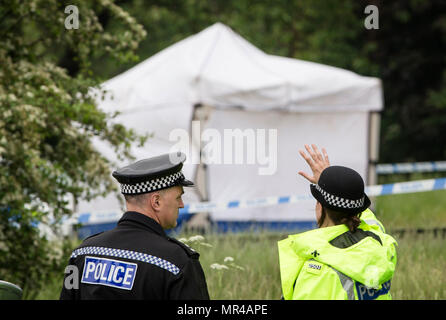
(47, 117)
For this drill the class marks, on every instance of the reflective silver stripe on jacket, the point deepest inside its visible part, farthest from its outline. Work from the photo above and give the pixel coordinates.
(375, 223)
(347, 284)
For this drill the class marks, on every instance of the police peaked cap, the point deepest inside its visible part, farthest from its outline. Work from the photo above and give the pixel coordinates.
(341, 189)
(152, 174)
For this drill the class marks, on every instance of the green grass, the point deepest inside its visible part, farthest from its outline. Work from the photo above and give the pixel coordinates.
(420, 273)
(412, 210)
(256, 253)
(421, 268)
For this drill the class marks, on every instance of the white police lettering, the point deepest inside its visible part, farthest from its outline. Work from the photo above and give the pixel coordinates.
(127, 254)
(108, 272)
(366, 293)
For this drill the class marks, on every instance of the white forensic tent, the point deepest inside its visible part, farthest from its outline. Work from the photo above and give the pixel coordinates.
(241, 87)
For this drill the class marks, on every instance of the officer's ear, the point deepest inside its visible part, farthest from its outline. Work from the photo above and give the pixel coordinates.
(155, 201)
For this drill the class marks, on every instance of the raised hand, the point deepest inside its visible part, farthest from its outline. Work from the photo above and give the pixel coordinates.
(317, 162)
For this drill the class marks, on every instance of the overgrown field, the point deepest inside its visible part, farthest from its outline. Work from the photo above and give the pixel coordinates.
(251, 269)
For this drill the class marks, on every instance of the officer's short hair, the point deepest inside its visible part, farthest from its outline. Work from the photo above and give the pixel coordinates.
(141, 198)
(136, 198)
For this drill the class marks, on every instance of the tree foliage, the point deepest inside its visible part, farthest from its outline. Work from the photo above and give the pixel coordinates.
(410, 54)
(47, 120)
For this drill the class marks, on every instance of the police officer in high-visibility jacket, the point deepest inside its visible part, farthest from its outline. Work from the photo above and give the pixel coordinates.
(137, 260)
(349, 257)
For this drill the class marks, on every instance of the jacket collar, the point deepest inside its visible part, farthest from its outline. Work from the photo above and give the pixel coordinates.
(143, 220)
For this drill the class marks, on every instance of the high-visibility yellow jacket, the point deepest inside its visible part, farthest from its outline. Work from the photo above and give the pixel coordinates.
(334, 263)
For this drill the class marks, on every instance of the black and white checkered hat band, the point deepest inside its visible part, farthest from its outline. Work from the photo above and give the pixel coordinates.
(151, 185)
(340, 202)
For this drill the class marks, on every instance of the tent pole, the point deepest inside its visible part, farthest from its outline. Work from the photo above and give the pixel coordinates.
(373, 149)
(201, 113)
(200, 221)
(374, 131)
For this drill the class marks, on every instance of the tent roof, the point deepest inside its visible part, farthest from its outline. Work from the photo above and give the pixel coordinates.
(218, 67)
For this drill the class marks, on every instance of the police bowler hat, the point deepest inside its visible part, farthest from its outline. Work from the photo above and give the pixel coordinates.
(10, 291)
(341, 189)
(152, 174)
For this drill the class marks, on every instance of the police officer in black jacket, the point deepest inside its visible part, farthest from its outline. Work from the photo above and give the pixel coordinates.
(137, 260)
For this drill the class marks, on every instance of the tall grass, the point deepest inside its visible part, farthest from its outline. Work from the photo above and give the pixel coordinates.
(420, 272)
(256, 253)
(421, 268)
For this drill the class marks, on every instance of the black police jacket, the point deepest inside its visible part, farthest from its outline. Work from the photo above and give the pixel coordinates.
(135, 260)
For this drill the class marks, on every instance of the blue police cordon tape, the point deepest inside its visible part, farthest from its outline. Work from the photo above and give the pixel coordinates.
(371, 191)
(391, 168)
(94, 222)
(191, 208)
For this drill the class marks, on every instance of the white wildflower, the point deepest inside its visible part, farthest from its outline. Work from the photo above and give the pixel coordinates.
(228, 259)
(55, 89)
(218, 266)
(196, 238)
